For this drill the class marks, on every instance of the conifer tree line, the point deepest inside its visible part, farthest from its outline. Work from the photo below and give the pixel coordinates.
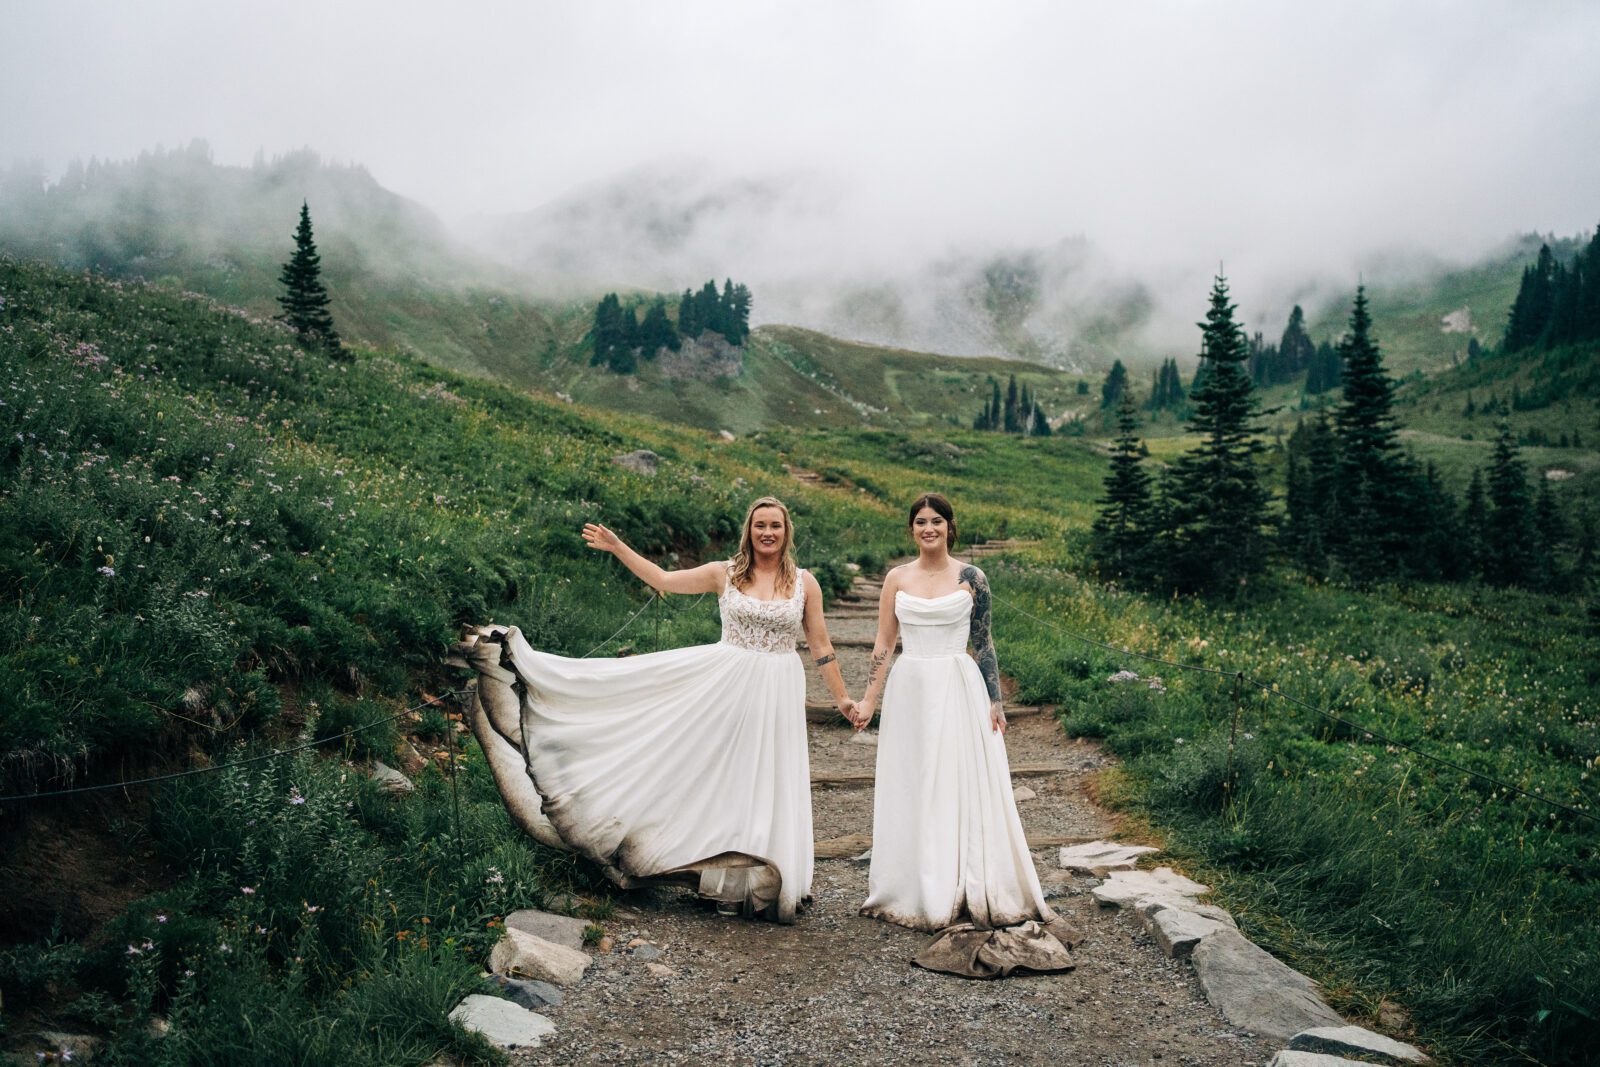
(305, 298)
(1356, 505)
(621, 340)
(1204, 525)
(1557, 303)
(1020, 411)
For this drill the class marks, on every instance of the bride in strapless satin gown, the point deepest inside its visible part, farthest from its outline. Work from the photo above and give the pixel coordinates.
(947, 844)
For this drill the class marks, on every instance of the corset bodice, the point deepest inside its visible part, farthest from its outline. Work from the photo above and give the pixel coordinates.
(934, 627)
(763, 625)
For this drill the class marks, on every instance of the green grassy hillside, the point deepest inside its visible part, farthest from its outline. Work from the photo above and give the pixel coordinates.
(208, 536)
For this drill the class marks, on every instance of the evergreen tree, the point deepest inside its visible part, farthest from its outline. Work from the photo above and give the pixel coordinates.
(1325, 371)
(1295, 350)
(741, 312)
(687, 325)
(305, 299)
(1012, 422)
(1550, 525)
(1121, 535)
(1475, 526)
(1041, 424)
(1530, 312)
(1372, 496)
(1311, 495)
(656, 332)
(1509, 541)
(1218, 504)
(1115, 384)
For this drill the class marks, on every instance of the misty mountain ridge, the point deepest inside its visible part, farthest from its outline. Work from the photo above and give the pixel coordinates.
(656, 226)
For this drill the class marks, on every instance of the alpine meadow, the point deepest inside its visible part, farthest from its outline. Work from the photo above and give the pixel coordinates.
(1303, 592)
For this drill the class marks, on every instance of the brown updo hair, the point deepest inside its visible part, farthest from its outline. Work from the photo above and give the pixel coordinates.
(941, 507)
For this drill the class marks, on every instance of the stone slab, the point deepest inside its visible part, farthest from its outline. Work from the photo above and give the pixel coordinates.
(505, 1024)
(1356, 1040)
(1102, 856)
(1176, 930)
(1255, 991)
(1129, 887)
(1312, 1059)
(562, 929)
(521, 955)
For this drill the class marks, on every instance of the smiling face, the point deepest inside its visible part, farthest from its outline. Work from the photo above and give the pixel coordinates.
(769, 531)
(930, 530)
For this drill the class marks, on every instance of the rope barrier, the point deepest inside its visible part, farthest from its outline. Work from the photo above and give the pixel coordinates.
(1275, 691)
(274, 754)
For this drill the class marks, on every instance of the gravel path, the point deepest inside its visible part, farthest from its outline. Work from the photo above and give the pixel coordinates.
(839, 988)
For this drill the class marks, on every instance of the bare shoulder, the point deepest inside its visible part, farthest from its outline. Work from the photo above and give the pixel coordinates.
(971, 574)
(809, 582)
(894, 578)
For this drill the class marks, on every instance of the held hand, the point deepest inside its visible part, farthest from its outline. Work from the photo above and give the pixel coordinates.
(997, 718)
(847, 708)
(863, 716)
(597, 536)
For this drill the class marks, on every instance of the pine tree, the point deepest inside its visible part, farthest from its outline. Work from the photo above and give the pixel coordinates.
(1530, 312)
(1217, 500)
(1041, 424)
(656, 332)
(1295, 350)
(1115, 384)
(1509, 539)
(741, 312)
(1370, 491)
(1121, 535)
(305, 299)
(1011, 422)
(687, 325)
(1550, 524)
(1311, 495)
(1475, 526)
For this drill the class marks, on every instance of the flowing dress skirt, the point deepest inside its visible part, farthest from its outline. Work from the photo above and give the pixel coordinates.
(947, 845)
(691, 759)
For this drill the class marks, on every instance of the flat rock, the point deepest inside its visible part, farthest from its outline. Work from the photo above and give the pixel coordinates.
(1176, 930)
(1022, 792)
(390, 779)
(1312, 1059)
(660, 970)
(522, 955)
(561, 929)
(1334, 1040)
(1163, 883)
(529, 993)
(1254, 990)
(640, 461)
(1102, 856)
(505, 1024)
(1147, 906)
(648, 952)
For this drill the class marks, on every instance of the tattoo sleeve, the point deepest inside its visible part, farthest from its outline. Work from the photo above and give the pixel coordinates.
(829, 658)
(981, 638)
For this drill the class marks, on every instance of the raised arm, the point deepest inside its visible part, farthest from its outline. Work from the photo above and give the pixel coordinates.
(982, 641)
(706, 578)
(882, 649)
(816, 627)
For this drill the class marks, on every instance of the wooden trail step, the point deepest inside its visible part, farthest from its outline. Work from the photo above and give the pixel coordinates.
(1021, 770)
(849, 846)
(823, 712)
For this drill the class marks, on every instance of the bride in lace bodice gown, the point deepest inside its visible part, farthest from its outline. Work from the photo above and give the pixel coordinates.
(947, 845)
(691, 761)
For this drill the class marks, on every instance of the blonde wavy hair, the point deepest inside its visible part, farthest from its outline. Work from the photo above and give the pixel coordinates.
(744, 560)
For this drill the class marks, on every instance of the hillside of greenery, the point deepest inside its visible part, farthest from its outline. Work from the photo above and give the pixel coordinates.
(210, 537)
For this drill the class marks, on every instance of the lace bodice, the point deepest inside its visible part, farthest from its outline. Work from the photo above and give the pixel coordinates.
(763, 625)
(934, 626)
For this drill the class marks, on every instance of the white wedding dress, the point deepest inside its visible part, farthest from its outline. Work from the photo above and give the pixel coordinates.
(947, 845)
(691, 760)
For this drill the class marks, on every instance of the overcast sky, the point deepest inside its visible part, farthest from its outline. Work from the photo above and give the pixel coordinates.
(1164, 132)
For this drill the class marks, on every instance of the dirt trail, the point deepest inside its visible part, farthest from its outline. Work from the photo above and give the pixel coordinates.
(839, 988)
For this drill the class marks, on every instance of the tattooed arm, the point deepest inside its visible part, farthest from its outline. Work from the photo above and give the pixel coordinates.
(816, 628)
(882, 649)
(983, 641)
